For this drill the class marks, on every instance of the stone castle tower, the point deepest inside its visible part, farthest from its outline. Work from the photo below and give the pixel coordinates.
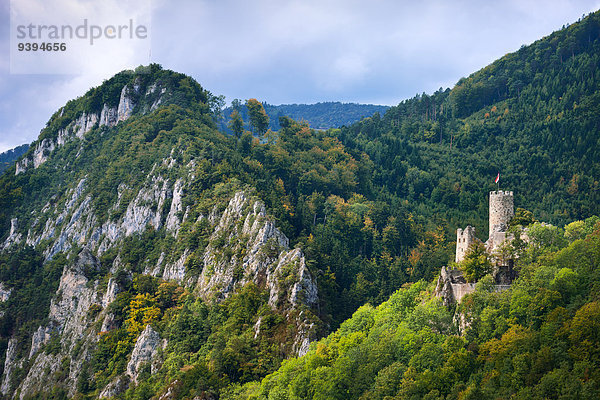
(500, 213)
(501, 210)
(463, 241)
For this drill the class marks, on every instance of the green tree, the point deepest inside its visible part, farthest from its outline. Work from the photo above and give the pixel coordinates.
(476, 263)
(258, 117)
(522, 217)
(236, 124)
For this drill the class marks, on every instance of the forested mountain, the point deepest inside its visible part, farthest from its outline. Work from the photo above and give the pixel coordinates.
(141, 245)
(145, 253)
(530, 116)
(10, 156)
(318, 116)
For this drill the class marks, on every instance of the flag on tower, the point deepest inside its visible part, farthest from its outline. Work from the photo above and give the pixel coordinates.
(497, 178)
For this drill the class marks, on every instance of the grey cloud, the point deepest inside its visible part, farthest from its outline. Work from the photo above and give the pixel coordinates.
(306, 51)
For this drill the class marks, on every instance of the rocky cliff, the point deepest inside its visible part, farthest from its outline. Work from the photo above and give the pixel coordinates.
(244, 246)
(197, 243)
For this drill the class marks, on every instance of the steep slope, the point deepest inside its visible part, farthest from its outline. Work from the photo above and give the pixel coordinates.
(116, 232)
(145, 253)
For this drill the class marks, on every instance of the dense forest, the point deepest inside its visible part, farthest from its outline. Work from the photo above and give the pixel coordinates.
(374, 207)
(538, 340)
(318, 116)
(530, 116)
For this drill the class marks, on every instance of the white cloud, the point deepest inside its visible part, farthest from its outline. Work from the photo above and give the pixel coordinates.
(97, 35)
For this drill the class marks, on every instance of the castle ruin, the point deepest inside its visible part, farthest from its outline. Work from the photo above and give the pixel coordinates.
(501, 211)
(464, 239)
(452, 285)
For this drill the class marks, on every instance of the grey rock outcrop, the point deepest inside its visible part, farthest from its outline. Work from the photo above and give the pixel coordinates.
(145, 351)
(176, 271)
(108, 116)
(115, 387)
(42, 152)
(21, 166)
(172, 223)
(69, 320)
(113, 288)
(4, 292)
(14, 237)
(259, 253)
(39, 339)
(141, 213)
(126, 104)
(10, 364)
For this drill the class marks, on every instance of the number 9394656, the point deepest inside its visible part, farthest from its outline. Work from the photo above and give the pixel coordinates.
(44, 46)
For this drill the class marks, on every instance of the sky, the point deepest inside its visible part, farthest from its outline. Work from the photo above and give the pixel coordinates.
(278, 51)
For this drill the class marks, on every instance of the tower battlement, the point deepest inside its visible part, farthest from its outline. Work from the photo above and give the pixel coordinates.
(501, 192)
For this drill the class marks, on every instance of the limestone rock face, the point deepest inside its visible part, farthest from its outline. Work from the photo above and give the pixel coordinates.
(114, 388)
(39, 339)
(14, 237)
(68, 322)
(261, 255)
(126, 105)
(42, 151)
(112, 290)
(10, 364)
(76, 230)
(303, 290)
(145, 209)
(21, 166)
(246, 246)
(176, 271)
(4, 292)
(145, 350)
(85, 123)
(108, 116)
(140, 213)
(172, 223)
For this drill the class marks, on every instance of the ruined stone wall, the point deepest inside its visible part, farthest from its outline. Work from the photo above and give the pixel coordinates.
(464, 238)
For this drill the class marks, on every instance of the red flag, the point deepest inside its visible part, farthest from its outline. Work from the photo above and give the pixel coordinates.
(497, 178)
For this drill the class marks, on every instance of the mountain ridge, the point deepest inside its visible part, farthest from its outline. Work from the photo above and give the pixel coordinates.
(320, 115)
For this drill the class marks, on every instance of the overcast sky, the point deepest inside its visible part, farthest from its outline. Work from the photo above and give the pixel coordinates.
(297, 51)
